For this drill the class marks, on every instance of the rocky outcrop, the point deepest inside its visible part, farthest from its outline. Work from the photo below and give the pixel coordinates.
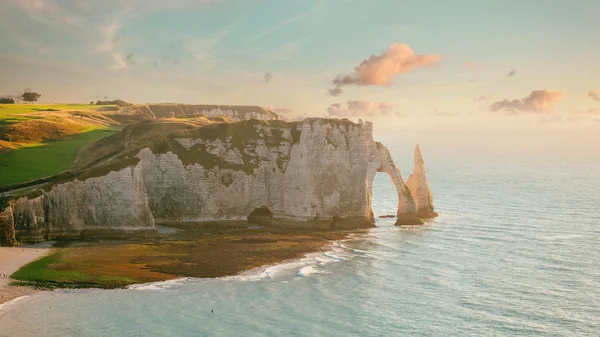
(316, 173)
(7, 226)
(419, 186)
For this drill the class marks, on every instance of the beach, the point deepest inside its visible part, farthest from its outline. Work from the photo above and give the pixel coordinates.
(13, 258)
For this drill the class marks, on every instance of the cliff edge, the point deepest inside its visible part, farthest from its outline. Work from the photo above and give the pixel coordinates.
(311, 174)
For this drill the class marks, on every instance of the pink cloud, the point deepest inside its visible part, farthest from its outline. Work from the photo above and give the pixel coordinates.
(357, 108)
(538, 101)
(381, 69)
(594, 95)
(472, 65)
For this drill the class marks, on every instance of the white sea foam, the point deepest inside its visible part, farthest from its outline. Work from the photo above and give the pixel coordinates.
(8, 304)
(306, 271)
(158, 286)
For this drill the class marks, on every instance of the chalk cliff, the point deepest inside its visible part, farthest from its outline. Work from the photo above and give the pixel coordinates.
(315, 173)
(7, 225)
(233, 112)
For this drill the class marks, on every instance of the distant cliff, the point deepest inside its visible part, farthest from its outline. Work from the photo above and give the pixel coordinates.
(235, 113)
(316, 173)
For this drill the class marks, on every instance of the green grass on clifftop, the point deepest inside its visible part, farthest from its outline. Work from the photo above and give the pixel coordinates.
(33, 161)
(14, 113)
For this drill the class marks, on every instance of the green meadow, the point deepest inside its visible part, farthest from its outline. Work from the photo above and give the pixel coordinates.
(13, 113)
(34, 161)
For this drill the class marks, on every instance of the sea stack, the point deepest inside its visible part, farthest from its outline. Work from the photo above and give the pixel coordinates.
(419, 188)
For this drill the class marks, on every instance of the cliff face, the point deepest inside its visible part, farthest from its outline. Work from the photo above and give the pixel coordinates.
(7, 226)
(317, 173)
(104, 206)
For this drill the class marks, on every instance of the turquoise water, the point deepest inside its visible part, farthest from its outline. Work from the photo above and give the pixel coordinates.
(515, 251)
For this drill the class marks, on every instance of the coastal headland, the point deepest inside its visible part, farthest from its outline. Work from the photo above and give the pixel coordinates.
(243, 187)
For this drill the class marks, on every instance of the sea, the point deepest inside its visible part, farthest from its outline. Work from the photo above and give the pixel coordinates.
(515, 251)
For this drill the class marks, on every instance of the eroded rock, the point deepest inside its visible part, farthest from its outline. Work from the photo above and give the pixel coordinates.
(419, 186)
(312, 174)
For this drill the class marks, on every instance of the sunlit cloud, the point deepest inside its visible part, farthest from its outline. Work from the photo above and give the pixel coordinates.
(593, 94)
(538, 101)
(479, 99)
(358, 108)
(380, 69)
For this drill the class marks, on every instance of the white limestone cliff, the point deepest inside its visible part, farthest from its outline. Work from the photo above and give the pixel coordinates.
(108, 205)
(419, 185)
(235, 113)
(317, 173)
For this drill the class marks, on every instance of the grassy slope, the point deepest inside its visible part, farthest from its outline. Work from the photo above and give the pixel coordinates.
(110, 265)
(34, 161)
(10, 113)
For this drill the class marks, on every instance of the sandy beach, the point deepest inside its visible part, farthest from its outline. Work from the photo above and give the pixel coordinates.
(13, 258)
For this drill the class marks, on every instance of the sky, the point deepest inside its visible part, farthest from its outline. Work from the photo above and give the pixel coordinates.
(441, 65)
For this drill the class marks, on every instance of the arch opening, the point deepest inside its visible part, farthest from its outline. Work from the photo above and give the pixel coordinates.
(384, 199)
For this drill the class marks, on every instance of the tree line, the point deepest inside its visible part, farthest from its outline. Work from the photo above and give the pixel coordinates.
(27, 96)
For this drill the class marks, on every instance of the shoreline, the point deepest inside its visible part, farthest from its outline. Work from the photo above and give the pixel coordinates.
(12, 294)
(29, 291)
(11, 260)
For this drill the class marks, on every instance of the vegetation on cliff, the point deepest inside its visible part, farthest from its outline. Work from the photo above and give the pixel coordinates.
(32, 161)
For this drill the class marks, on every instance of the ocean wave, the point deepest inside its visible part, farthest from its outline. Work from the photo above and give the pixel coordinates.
(159, 286)
(354, 250)
(7, 304)
(305, 271)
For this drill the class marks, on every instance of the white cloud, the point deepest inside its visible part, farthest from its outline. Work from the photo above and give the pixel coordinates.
(109, 34)
(51, 12)
(283, 24)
